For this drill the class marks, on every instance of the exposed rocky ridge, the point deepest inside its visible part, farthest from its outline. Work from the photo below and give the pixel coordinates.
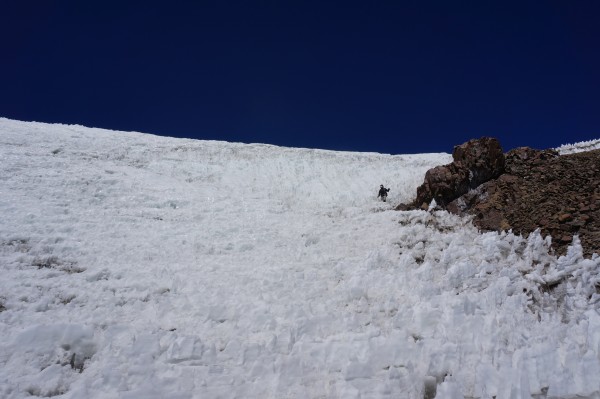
(560, 194)
(474, 163)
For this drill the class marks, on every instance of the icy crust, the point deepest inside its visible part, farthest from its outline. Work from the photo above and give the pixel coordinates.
(135, 266)
(497, 315)
(579, 147)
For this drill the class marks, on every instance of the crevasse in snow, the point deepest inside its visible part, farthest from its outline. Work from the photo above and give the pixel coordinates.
(137, 266)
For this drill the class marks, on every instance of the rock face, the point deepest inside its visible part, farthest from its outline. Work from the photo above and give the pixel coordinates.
(540, 189)
(522, 190)
(474, 163)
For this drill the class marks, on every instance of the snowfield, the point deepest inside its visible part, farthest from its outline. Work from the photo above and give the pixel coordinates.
(137, 266)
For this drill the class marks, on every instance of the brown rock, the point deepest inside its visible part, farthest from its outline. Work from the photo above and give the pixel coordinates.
(521, 199)
(565, 239)
(567, 227)
(482, 157)
(560, 194)
(564, 217)
(475, 162)
(405, 207)
(577, 224)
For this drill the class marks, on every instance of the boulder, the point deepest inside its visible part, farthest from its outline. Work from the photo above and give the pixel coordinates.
(474, 163)
(540, 189)
(522, 190)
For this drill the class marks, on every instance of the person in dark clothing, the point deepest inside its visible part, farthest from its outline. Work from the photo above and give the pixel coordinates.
(383, 192)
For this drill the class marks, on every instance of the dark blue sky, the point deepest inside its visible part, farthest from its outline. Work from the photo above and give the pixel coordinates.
(392, 77)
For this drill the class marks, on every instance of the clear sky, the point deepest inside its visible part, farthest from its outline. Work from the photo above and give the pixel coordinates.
(392, 77)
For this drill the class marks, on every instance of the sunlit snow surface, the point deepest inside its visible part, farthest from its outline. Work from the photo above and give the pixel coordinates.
(135, 266)
(579, 147)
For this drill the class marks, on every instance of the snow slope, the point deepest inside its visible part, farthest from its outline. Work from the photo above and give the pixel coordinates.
(137, 266)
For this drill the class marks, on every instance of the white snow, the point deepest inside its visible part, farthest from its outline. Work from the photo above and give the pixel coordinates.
(579, 147)
(137, 266)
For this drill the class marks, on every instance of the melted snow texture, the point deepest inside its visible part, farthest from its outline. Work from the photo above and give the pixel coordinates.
(135, 266)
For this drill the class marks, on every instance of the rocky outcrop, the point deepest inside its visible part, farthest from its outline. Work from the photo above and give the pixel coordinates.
(474, 163)
(522, 190)
(560, 195)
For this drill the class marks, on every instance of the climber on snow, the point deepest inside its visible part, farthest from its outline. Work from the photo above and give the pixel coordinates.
(383, 192)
